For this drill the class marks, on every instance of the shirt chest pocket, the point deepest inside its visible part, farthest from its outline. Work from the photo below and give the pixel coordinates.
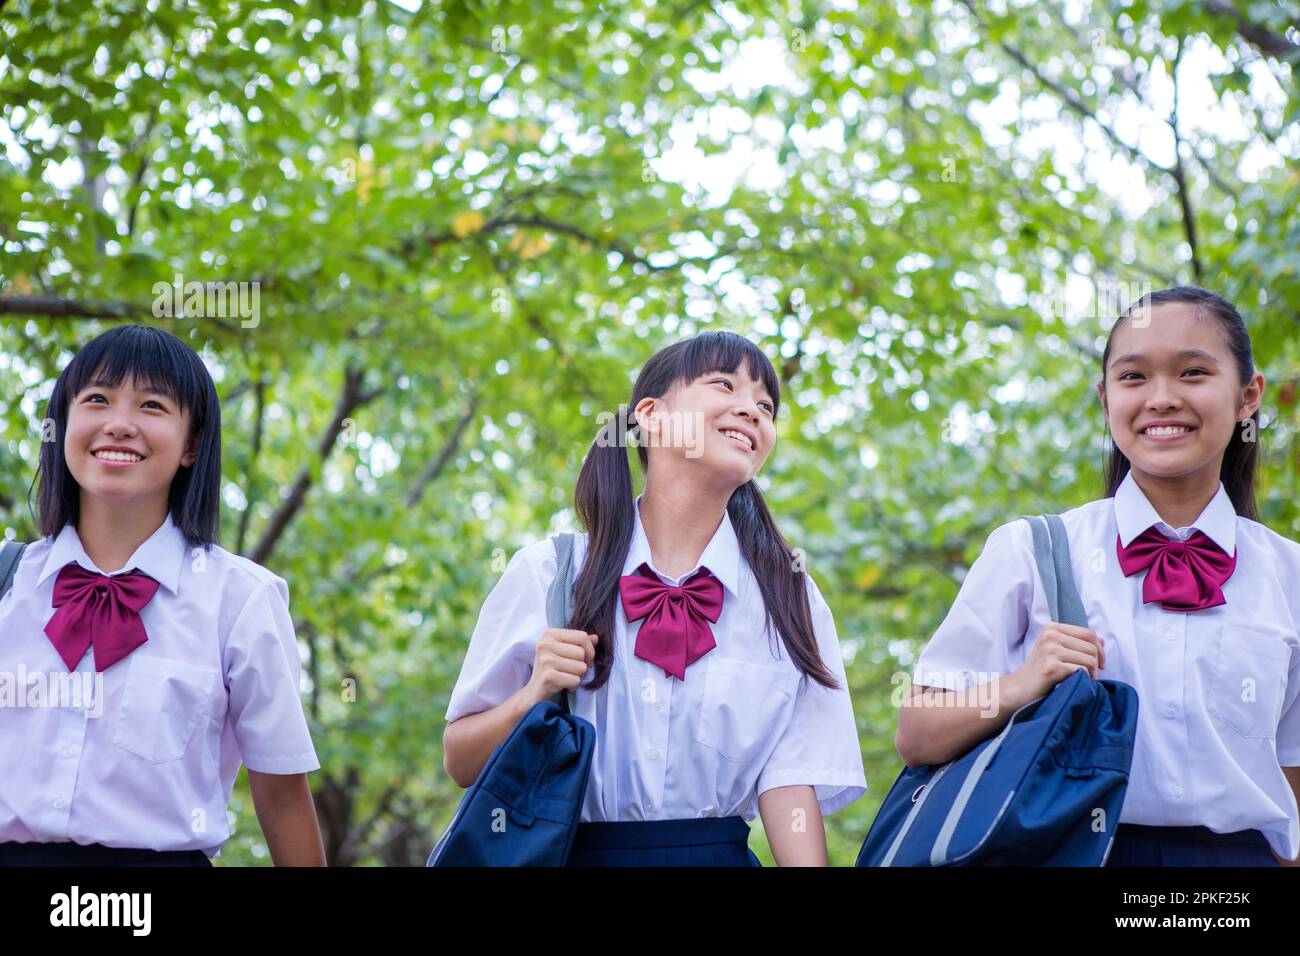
(163, 703)
(1248, 682)
(743, 706)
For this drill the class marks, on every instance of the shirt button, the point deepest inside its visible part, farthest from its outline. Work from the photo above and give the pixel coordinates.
(1178, 791)
(649, 807)
(68, 752)
(1171, 710)
(1171, 634)
(654, 754)
(58, 803)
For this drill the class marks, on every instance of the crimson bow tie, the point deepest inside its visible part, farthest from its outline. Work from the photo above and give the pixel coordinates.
(101, 610)
(1184, 575)
(676, 632)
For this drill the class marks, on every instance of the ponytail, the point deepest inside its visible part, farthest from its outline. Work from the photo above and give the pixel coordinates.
(604, 504)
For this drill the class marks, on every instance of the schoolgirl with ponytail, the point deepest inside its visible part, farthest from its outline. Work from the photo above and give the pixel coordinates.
(702, 653)
(1189, 599)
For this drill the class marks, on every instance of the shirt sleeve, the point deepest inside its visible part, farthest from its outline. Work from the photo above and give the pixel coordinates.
(501, 649)
(262, 673)
(983, 635)
(819, 746)
(1288, 726)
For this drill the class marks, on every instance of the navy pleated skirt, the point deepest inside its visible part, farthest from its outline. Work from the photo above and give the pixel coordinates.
(715, 841)
(1187, 846)
(95, 854)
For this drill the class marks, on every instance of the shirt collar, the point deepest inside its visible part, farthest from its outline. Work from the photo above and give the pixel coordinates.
(721, 557)
(160, 556)
(1134, 514)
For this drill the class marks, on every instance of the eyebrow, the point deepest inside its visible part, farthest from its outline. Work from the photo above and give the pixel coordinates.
(1185, 354)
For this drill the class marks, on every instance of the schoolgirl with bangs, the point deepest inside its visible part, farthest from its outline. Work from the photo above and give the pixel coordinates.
(141, 663)
(698, 648)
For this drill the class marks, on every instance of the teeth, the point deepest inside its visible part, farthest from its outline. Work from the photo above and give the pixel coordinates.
(118, 456)
(1167, 430)
(741, 437)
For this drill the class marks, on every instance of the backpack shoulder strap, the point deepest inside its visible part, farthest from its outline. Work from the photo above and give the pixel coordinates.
(11, 552)
(1052, 555)
(559, 598)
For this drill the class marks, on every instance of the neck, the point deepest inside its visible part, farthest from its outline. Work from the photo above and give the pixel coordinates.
(1178, 501)
(680, 520)
(111, 531)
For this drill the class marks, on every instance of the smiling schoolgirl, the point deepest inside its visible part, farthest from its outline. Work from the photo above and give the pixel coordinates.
(190, 648)
(1189, 599)
(703, 655)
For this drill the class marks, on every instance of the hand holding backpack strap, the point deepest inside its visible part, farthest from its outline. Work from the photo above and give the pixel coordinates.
(1052, 555)
(559, 598)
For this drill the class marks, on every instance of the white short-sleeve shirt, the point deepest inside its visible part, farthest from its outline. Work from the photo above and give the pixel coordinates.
(1218, 715)
(742, 722)
(145, 754)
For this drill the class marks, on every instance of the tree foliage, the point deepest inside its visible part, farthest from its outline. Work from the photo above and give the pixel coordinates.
(470, 224)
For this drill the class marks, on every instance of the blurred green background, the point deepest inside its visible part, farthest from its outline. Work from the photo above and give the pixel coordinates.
(470, 223)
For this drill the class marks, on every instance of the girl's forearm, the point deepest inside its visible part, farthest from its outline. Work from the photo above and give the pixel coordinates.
(792, 820)
(468, 742)
(287, 816)
(937, 725)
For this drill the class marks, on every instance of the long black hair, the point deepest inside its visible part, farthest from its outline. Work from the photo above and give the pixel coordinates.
(604, 503)
(153, 359)
(1241, 456)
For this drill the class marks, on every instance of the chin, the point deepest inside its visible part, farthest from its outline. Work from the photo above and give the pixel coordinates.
(729, 472)
(1166, 469)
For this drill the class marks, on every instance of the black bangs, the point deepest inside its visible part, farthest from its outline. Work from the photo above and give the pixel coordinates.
(152, 359)
(724, 352)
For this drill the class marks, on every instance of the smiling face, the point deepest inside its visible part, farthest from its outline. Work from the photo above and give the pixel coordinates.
(1173, 394)
(125, 444)
(723, 422)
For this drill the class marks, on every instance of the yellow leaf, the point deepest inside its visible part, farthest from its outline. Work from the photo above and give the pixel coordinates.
(22, 285)
(466, 224)
(535, 247)
(364, 174)
(869, 576)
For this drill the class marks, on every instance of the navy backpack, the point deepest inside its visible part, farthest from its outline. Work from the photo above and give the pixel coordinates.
(1046, 791)
(524, 808)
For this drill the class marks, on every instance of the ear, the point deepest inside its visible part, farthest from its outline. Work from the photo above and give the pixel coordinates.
(191, 451)
(1252, 395)
(647, 416)
(1101, 394)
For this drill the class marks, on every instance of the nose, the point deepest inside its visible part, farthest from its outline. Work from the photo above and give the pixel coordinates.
(1163, 395)
(120, 424)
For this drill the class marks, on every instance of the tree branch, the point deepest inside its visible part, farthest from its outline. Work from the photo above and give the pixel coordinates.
(1269, 42)
(247, 514)
(57, 307)
(352, 397)
(1184, 196)
(435, 467)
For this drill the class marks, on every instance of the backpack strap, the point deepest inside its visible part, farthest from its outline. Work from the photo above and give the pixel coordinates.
(559, 598)
(11, 552)
(1052, 554)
